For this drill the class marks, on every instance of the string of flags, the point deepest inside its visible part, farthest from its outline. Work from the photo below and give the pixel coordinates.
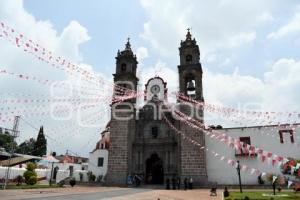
(233, 142)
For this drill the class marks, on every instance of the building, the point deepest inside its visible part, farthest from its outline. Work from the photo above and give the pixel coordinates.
(98, 158)
(144, 140)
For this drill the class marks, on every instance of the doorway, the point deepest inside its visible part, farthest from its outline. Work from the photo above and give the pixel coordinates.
(154, 170)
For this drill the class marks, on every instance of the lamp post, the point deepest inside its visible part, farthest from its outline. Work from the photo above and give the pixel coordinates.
(51, 174)
(238, 168)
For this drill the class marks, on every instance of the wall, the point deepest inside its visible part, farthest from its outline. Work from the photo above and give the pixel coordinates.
(93, 162)
(220, 172)
(63, 172)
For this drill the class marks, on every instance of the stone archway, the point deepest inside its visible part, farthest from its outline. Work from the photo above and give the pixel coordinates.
(154, 170)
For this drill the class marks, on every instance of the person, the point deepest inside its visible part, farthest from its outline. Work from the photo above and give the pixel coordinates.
(178, 183)
(226, 193)
(168, 184)
(174, 183)
(191, 183)
(213, 191)
(185, 183)
(137, 180)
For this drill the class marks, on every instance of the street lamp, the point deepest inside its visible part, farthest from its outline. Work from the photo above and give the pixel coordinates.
(50, 180)
(238, 168)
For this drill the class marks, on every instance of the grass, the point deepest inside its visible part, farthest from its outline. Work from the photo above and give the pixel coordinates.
(255, 195)
(30, 186)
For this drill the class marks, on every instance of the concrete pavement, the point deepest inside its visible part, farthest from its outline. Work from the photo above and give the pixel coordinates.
(106, 193)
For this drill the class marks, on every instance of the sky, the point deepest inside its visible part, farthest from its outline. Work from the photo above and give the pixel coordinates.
(249, 54)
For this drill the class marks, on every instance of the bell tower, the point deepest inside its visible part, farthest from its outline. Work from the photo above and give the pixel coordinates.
(192, 159)
(190, 69)
(122, 124)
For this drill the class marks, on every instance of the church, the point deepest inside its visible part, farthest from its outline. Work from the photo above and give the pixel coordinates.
(144, 141)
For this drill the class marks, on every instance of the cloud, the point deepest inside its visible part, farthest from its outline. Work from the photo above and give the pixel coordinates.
(215, 24)
(241, 38)
(66, 44)
(141, 53)
(292, 27)
(274, 92)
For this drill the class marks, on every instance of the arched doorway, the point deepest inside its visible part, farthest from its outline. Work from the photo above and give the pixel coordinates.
(154, 170)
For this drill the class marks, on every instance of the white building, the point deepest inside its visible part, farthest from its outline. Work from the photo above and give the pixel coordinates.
(98, 158)
(278, 140)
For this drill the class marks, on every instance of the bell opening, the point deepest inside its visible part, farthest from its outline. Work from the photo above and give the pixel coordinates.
(190, 88)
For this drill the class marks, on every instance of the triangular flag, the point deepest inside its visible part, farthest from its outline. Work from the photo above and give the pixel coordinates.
(274, 179)
(289, 184)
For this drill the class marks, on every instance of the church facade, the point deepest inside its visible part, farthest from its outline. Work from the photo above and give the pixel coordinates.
(144, 140)
(141, 142)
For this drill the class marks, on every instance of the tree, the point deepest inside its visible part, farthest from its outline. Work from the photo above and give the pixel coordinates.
(40, 146)
(27, 147)
(30, 175)
(7, 141)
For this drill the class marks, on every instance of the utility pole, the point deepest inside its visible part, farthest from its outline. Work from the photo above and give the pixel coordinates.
(15, 134)
(238, 168)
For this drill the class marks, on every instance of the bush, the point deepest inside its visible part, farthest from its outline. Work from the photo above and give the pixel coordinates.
(246, 198)
(91, 176)
(19, 179)
(72, 181)
(81, 176)
(30, 175)
(32, 180)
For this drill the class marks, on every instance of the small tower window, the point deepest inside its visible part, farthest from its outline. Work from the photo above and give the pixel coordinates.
(189, 58)
(123, 67)
(154, 132)
(190, 87)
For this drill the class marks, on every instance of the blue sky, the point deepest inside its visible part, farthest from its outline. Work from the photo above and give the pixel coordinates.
(249, 50)
(109, 23)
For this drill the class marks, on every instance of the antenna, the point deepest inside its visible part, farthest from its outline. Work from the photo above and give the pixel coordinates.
(14, 134)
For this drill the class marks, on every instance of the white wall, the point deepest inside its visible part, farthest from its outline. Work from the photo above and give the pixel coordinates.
(220, 172)
(16, 171)
(93, 162)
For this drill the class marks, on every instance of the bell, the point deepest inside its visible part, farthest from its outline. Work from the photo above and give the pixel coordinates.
(190, 86)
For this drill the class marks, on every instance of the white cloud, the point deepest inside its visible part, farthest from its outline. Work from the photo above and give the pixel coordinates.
(215, 24)
(141, 53)
(13, 59)
(292, 27)
(266, 17)
(241, 38)
(275, 92)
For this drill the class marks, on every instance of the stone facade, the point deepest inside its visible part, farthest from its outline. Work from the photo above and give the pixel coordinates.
(144, 145)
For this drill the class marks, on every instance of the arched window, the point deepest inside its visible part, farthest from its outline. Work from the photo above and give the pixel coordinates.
(154, 132)
(188, 58)
(123, 67)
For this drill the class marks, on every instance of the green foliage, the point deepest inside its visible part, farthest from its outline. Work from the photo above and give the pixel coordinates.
(72, 181)
(32, 180)
(7, 141)
(31, 166)
(19, 180)
(30, 174)
(40, 146)
(26, 147)
(91, 176)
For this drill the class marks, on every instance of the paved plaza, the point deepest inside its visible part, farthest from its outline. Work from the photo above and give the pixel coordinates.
(112, 193)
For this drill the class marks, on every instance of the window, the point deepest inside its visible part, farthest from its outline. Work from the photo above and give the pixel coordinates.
(245, 140)
(123, 67)
(245, 150)
(189, 58)
(100, 162)
(283, 132)
(154, 132)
